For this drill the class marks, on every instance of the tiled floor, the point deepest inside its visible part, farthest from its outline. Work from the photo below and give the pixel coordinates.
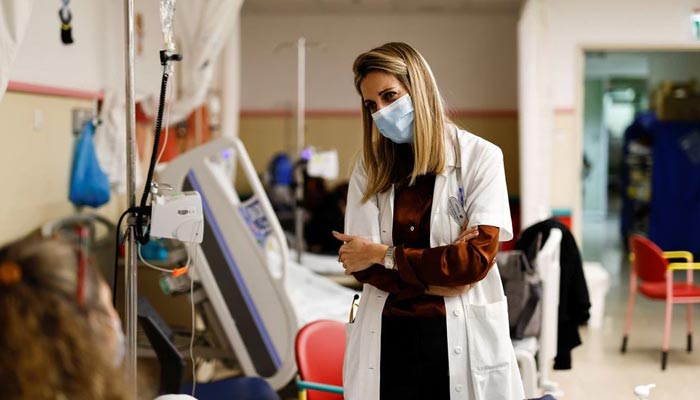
(600, 371)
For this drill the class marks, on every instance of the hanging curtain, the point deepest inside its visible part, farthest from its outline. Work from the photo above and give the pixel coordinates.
(202, 29)
(14, 19)
(110, 142)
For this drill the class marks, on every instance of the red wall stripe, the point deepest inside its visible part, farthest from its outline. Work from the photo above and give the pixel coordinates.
(496, 113)
(292, 113)
(24, 87)
(505, 113)
(564, 111)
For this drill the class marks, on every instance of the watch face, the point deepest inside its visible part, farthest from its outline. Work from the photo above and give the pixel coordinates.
(389, 258)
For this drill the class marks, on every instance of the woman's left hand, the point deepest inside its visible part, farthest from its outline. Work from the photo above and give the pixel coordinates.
(357, 253)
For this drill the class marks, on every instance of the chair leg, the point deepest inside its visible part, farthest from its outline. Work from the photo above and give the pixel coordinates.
(664, 360)
(690, 327)
(667, 334)
(628, 317)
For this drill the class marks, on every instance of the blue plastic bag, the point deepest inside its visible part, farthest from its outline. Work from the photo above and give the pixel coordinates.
(89, 185)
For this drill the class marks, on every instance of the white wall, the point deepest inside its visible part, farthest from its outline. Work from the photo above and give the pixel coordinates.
(43, 59)
(473, 57)
(95, 61)
(147, 69)
(534, 109)
(617, 24)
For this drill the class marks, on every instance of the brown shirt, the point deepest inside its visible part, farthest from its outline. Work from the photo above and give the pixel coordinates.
(417, 265)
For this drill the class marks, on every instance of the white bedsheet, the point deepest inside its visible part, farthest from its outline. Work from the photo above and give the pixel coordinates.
(315, 297)
(319, 263)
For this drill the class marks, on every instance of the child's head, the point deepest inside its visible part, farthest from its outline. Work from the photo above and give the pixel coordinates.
(61, 337)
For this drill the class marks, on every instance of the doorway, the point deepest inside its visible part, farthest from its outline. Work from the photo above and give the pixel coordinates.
(619, 88)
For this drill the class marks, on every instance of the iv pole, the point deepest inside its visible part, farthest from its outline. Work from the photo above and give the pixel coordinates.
(301, 45)
(130, 269)
(301, 99)
(301, 92)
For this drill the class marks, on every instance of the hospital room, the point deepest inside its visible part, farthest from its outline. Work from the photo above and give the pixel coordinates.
(349, 199)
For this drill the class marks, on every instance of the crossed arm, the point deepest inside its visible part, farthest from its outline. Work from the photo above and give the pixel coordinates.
(443, 271)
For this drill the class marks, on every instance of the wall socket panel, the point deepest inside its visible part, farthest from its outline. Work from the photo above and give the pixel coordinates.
(80, 116)
(37, 119)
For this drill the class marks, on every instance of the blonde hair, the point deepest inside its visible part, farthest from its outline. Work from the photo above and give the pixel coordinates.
(51, 350)
(430, 120)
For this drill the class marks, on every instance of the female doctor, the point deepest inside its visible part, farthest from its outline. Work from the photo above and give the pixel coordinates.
(432, 321)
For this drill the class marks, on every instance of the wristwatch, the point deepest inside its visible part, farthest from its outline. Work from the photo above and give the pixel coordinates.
(389, 257)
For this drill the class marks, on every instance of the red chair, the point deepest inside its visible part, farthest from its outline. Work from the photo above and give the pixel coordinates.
(652, 274)
(320, 349)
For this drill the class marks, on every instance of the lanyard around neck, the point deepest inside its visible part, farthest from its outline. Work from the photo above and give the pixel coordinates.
(458, 166)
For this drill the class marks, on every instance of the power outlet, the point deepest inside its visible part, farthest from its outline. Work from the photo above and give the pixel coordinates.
(37, 119)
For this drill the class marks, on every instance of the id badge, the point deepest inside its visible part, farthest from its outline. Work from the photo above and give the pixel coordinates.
(456, 211)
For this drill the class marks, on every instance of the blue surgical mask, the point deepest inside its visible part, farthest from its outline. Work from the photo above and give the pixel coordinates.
(395, 121)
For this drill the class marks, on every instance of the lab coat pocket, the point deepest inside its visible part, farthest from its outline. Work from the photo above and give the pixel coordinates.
(446, 230)
(454, 228)
(490, 349)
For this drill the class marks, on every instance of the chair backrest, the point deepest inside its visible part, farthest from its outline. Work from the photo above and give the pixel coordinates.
(320, 349)
(647, 259)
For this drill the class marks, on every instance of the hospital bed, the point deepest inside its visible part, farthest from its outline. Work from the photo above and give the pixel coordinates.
(328, 267)
(254, 298)
(320, 263)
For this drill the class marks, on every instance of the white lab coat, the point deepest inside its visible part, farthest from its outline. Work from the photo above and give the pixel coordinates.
(481, 358)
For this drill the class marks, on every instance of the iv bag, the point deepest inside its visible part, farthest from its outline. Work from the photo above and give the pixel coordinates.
(167, 13)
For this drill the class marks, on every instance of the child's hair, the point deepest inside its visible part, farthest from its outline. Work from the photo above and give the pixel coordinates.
(50, 348)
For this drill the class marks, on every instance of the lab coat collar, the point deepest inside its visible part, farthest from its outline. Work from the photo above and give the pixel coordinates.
(451, 141)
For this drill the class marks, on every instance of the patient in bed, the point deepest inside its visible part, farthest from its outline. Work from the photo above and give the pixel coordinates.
(62, 338)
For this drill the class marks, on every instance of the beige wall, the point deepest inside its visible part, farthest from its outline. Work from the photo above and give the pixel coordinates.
(473, 56)
(264, 136)
(502, 130)
(35, 163)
